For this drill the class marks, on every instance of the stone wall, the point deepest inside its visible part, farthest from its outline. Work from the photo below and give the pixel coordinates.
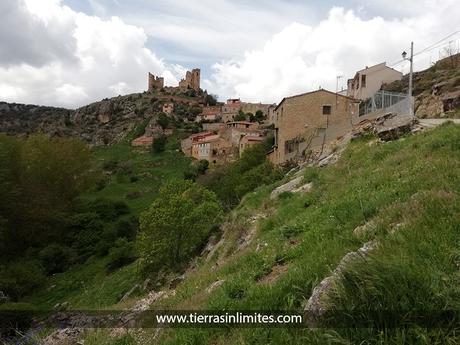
(191, 80)
(155, 83)
(301, 125)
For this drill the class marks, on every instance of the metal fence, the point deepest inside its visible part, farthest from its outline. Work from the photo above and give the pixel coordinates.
(385, 101)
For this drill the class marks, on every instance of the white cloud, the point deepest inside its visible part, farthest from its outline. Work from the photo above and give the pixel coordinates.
(51, 54)
(93, 59)
(302, 58)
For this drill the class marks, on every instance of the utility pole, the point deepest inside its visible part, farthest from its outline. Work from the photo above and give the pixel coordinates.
(411, 60)
(337, 89)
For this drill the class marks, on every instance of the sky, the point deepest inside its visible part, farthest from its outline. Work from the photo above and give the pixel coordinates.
(73, 52)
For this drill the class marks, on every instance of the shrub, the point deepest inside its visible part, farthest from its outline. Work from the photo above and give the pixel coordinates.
(202, 166)
(107, 209)
(20, 278)
(241, 116)
(232, 182)
(159, 144)
(163, 120)
(56, 258)
(84, 233)
(121, 254)
(190, 174)
(128, 228)
(106, 241)
(133, 195)
(110, 165)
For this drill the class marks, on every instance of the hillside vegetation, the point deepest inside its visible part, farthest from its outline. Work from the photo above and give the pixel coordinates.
(405, 193)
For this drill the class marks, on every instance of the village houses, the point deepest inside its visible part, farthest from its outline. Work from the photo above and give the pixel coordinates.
(369, 80)
(302, 124)
(225, 144)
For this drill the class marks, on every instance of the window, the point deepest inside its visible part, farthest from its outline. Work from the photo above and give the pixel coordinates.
(363, 80)
(327, 109)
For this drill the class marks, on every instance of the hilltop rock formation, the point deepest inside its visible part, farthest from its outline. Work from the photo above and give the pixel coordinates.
(100, 123)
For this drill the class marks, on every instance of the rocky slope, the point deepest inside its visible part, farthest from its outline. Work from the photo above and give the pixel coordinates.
(101, 123)
(436, 89)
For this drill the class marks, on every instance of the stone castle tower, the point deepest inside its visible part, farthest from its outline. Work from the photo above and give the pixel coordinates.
(191, 81)
(155, 83)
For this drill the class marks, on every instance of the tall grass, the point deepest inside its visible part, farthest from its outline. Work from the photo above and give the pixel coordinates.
(408, 189)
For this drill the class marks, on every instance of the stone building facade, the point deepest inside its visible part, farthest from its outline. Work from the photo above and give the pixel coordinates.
(155, 83)
(307, 121)
(224, 144)
(369, 80)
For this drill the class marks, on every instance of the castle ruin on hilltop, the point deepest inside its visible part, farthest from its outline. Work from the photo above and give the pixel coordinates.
(191, 81)
(155, 83)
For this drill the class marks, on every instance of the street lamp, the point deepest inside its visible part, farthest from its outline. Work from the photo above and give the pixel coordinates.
(411, 60)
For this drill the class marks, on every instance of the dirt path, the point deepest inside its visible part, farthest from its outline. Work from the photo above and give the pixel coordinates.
(429, 123)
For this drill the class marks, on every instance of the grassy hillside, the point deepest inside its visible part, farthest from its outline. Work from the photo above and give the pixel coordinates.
(407, 194)
(134, 177)
(136, 174)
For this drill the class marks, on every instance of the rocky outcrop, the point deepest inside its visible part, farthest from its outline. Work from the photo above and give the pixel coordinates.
(317, 305)
(99, 123)
(287, 187)
(430, 106)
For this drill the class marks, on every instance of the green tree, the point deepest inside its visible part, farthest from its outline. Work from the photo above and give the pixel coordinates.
(259, 116)
(40, 183)
(241, 116)
(159, 144)
(163, 120)
(195, 110)
(176, 224)
(210, 100)
(233, 181)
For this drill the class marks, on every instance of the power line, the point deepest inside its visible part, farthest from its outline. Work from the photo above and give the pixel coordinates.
(429, 48)
(448, 36)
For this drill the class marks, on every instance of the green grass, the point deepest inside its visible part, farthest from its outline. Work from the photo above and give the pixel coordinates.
(409, 189)
(87, 286)
(148, 169)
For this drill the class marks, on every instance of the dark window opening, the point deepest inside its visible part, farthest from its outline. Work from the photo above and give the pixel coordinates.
(363, 80)
(327, 109)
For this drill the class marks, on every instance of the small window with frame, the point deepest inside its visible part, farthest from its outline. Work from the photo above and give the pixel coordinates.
(327, 109)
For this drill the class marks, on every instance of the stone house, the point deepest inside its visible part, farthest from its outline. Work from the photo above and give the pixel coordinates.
(168, 108)
(142, 141)
(369, 80)
(254, 107)
(212, 126)
(186, 144)
(307, 121)
(213, 148)
(271, 114)
(234, 131)
(248, 141)
(223, 144)
(242, 125)
(209, 113)
(231, 109)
